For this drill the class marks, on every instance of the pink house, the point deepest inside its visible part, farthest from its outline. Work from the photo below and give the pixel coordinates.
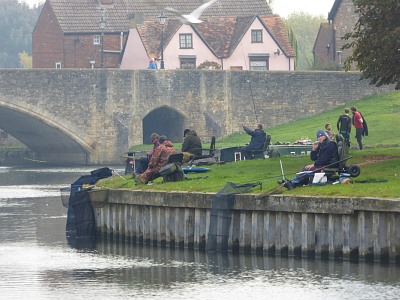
(232, 43)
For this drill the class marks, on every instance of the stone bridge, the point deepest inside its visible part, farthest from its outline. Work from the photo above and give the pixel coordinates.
(94, 116)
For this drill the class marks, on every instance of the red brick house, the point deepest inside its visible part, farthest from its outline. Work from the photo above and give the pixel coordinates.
(328, 53)
(232, 43)
(68, 32)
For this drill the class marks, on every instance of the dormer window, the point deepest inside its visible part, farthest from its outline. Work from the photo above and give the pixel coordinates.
(256, 36)
(185, 41)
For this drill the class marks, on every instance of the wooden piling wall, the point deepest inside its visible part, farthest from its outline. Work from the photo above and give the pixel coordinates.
(332, 228)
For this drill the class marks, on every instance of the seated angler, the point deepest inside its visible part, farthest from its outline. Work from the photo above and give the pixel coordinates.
(143, 163)
(258, 138)
(157, 161)
(324, 153)
(191, 144)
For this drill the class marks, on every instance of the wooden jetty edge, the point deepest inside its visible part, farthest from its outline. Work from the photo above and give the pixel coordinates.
(356, 229)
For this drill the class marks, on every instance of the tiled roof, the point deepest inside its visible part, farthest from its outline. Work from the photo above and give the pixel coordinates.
(151, 35)
(221, 34)
(224, 33)
(334, 10)
(277, 27)
(83, 15)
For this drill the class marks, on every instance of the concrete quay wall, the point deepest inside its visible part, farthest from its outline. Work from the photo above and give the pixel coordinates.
(328, 228)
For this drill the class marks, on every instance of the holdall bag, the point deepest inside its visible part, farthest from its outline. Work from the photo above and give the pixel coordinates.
(168, 169)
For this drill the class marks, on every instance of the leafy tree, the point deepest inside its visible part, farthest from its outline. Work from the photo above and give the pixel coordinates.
(25, 60)
(17, 21)
(305, 28)
(209, 65)
(375, 41)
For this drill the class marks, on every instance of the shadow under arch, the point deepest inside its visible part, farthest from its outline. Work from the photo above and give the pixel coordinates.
(164, 120)
(48, 140)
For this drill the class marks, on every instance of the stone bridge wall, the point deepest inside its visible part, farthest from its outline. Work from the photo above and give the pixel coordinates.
(96, 115)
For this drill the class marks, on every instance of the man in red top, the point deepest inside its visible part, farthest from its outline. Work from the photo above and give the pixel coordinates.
(358, 125)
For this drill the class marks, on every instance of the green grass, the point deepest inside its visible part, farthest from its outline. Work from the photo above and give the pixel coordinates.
(379, 161)
(376, 165)
(382, 113)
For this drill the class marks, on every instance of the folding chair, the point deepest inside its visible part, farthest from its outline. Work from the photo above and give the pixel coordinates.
(261, 153)
(205, 153)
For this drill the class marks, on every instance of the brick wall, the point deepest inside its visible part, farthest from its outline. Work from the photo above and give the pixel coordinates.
(343, 23)
(73, 50)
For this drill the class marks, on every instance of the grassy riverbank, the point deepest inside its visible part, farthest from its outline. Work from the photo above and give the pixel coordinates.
(380, 161)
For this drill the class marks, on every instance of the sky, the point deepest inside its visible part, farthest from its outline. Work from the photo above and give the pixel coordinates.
(280, 7)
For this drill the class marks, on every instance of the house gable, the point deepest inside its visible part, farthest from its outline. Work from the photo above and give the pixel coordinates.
(246, 50)
(199, 52)
(47, 40)
(342, 19)
(224, 40)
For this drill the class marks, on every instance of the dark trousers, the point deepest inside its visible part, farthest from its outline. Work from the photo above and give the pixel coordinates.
(359, 134)
(246, 152)
(142, 165)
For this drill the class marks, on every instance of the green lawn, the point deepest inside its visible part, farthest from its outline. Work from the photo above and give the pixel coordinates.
(379, 161)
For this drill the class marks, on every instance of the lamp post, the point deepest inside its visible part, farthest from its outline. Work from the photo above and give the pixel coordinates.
(102, 23)
(161, 19)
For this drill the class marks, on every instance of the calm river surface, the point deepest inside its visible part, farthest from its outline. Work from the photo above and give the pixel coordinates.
(36, 261)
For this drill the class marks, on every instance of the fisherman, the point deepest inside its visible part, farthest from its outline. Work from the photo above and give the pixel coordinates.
(144, 160)
(324, 153)
(191, 142)
(158, 160)
(258, 138)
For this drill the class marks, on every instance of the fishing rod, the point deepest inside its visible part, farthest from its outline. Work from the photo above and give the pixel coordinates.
(252, 98)
(283, 174)
(334, 163)
(251, 89)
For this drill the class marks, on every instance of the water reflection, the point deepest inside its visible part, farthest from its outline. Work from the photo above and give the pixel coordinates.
(37, 260)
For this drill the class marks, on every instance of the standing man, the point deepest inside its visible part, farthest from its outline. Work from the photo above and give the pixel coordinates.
(344, 124)
(258, 138)
(152, 65)
(328, 131)
(358, 124)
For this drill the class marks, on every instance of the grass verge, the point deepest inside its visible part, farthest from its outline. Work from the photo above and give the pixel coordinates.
(380, 177)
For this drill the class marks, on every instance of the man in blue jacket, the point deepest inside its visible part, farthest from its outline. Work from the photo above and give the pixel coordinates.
(324, 153)
(258, 138)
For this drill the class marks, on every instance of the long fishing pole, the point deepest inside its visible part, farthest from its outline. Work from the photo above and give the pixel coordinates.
(251, 89)
(283, 174)
(252, 98)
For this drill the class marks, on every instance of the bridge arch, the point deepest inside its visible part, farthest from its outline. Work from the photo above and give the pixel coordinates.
(49, 140)
(164, 120)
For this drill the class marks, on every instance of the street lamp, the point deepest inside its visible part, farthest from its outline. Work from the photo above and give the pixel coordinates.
(102, 23)
(161, 19)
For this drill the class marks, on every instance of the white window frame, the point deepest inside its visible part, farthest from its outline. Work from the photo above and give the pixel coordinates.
(186, 41)
(96, 39)
(58, 65)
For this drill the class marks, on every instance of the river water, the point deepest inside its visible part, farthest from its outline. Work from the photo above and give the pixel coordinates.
(36, 261)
